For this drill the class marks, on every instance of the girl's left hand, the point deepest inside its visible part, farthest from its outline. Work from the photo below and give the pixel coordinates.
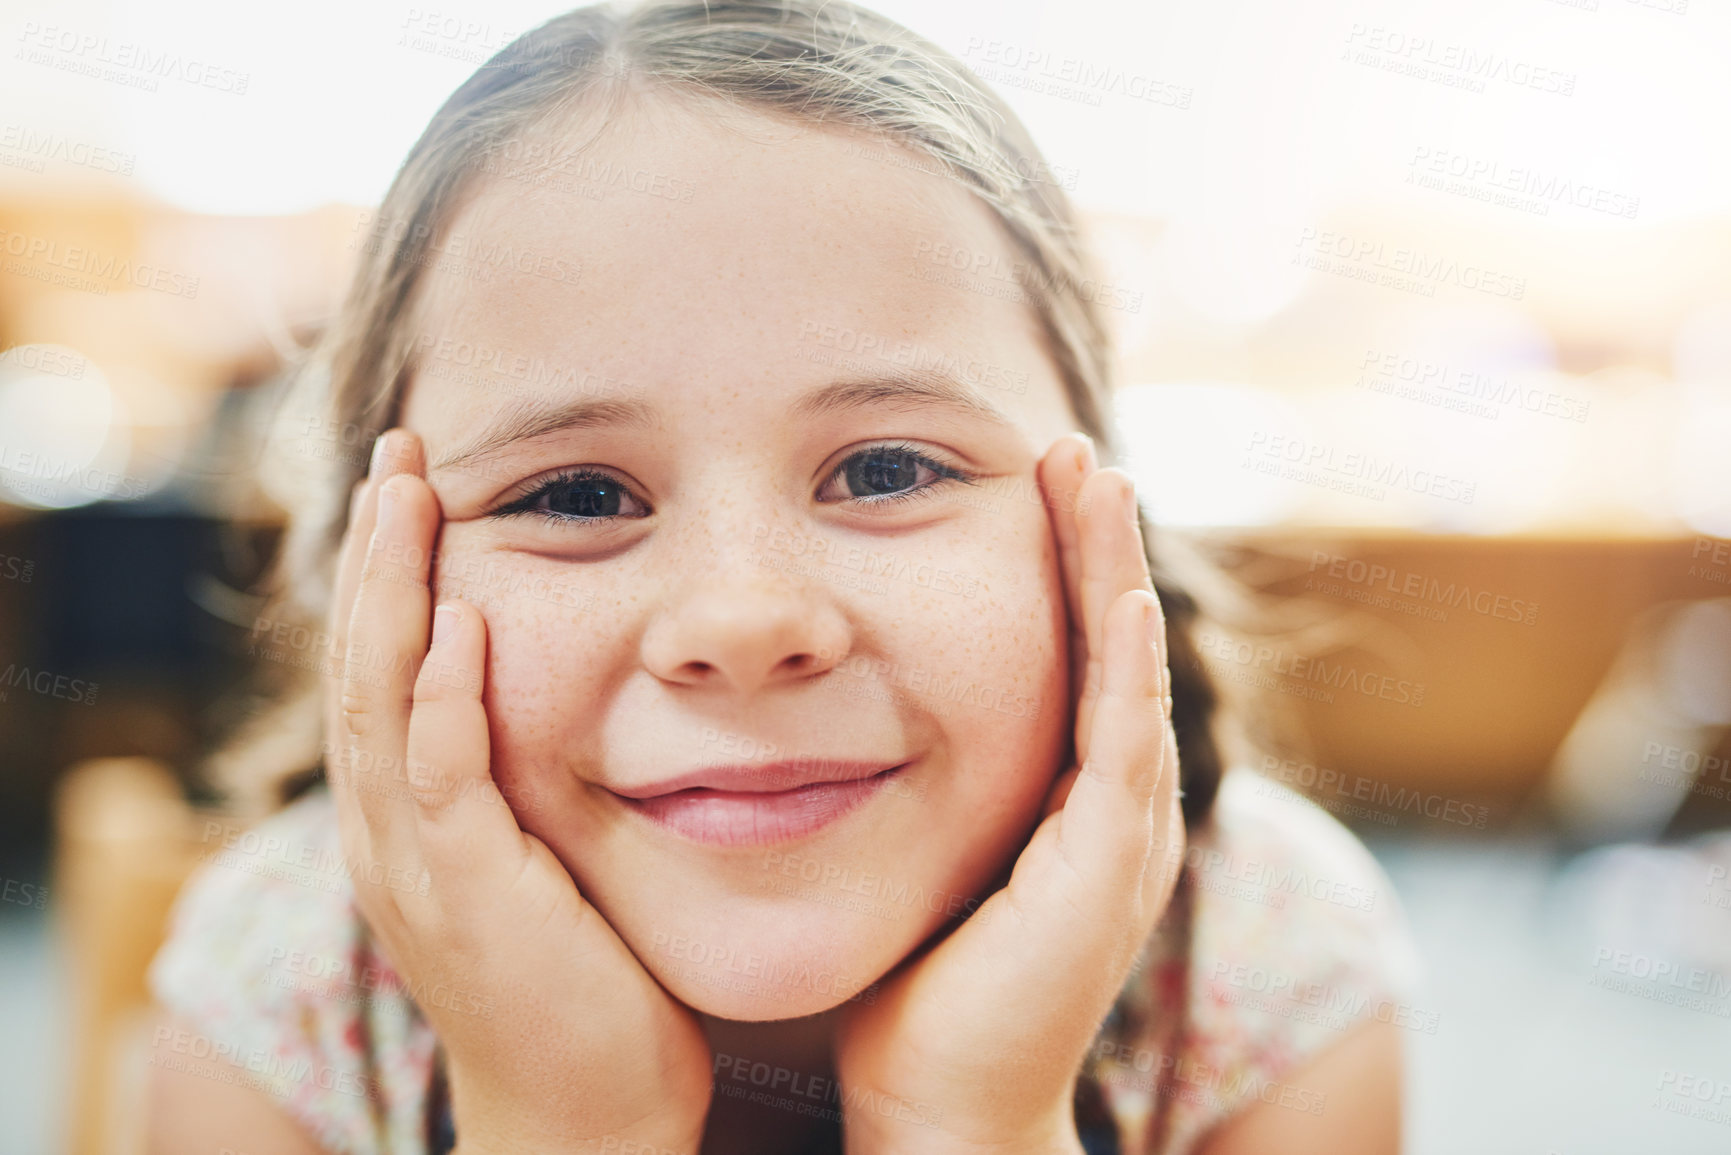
(977, 1045)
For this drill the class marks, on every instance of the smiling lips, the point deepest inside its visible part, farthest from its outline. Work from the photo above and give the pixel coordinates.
(754, 805)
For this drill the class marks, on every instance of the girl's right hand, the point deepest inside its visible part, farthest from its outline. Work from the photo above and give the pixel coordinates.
(555, 1036)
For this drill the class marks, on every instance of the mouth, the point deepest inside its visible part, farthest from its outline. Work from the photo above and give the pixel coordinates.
(759, 805)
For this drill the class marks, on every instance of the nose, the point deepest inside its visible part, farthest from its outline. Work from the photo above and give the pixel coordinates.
(745, 631)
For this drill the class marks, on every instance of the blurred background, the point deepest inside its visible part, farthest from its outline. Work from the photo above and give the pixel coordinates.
(1426, 316)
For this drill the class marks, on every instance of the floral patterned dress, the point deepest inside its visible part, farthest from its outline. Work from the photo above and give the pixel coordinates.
(1283, 935)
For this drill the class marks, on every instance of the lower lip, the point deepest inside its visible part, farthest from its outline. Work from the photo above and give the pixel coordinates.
(739, 818)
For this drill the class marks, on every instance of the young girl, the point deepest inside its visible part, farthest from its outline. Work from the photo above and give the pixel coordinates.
(749, 724)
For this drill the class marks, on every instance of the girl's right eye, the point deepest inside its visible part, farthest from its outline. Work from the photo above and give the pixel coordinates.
(578, 495)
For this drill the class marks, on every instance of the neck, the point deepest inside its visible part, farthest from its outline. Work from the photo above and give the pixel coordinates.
(774, 1086)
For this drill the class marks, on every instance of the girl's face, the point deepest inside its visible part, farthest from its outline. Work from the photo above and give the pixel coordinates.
(735, 425)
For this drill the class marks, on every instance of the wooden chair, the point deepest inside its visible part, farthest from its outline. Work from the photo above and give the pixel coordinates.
(126, 841)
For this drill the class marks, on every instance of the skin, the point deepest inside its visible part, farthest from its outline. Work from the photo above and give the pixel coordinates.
(683, 627)
(628, 649)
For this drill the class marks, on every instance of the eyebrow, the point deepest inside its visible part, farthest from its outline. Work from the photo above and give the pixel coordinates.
(907, 391)
(526, 420)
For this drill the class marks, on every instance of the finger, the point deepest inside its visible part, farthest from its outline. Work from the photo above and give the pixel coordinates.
(1061, 472)
(463, 824)
(388, 638)
(395, 451)
(1113, 562)
(1067, 464)
(1113, 829)
(363, 509)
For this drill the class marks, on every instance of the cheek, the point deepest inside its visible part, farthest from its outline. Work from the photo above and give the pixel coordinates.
(554, 647)
(988, 665)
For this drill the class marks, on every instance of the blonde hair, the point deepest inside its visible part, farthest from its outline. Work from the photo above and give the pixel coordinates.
(812, 60)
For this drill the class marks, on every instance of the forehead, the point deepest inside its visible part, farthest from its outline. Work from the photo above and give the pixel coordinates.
(689, 244)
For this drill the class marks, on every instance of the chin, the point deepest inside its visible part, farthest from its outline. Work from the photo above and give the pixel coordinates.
(742, 999)
(767, 960)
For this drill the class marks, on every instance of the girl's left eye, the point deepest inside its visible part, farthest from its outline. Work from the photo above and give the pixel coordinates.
(889, 473)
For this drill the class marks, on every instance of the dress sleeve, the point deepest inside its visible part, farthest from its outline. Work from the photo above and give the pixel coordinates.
(270, 965)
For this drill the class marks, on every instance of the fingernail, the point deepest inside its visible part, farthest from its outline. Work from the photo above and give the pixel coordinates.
(1086, 460)
(1151, 621)
(445, 620)
(381, 450)
(1130, 499)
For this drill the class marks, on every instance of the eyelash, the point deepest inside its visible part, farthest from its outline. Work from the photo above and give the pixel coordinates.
(527, 504)
(945, 473)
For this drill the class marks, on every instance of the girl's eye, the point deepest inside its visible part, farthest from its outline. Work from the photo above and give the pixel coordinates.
(889, 473)
(881, 473)
(577, 495)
